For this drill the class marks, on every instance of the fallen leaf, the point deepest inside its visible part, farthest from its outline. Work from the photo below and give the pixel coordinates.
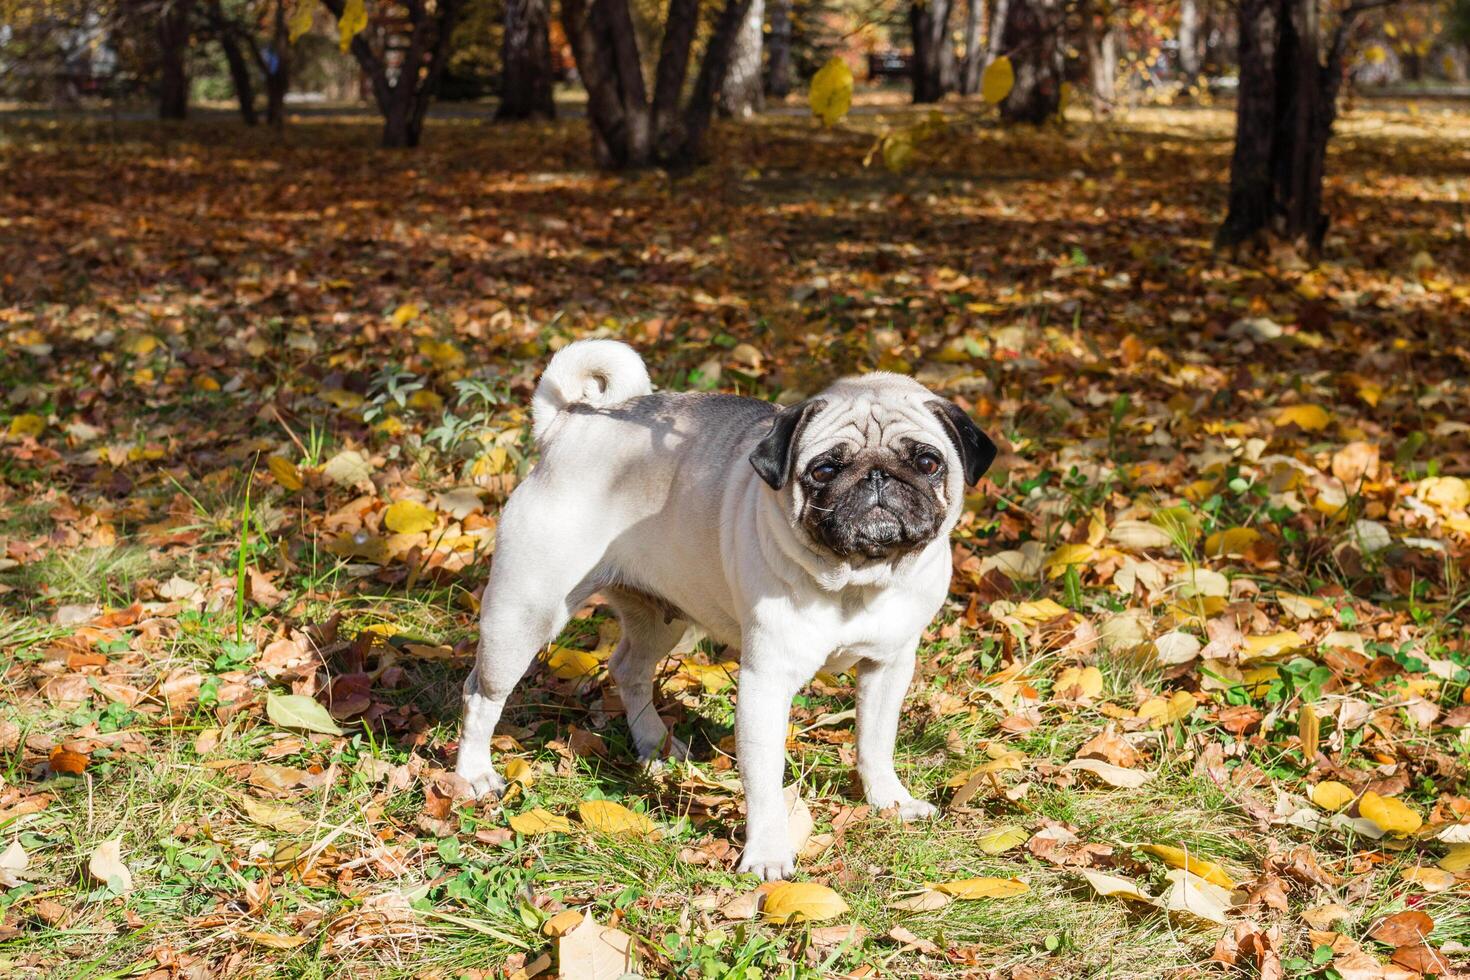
(408, 517)
(539, 821)
(13, 864)
(281, 818)
(974, 888)
(1111, 774)
(1431, 880)
(1193, 895)
(106, 865)
(1112, 886)
(923, 900)
(1001, 840)
(608, 817)
(299, 711)
(1403, 929)
(1391, 815)
(593, 952)
(1178, 857)
(802, 901)
(1332, 796)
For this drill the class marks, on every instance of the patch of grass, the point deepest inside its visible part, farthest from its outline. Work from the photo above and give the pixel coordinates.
(104, 575)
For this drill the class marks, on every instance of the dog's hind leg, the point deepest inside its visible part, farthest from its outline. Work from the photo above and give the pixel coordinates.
(533, 591)
(649, 633)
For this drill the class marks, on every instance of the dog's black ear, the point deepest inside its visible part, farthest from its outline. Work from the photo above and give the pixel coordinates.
(772, 456)
(976, 450)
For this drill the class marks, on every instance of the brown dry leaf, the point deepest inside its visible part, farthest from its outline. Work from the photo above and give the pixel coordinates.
(1405, 928)
(562, 923)
(1111, 747)
(1112, 775)
(923, 900)
(64, 760)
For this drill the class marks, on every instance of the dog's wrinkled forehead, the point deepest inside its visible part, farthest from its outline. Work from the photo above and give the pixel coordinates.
(874, 411)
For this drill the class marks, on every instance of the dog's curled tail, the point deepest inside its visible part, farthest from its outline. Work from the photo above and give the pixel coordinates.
(598, 373)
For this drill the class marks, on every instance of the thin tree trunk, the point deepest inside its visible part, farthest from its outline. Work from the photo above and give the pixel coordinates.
(778, 58)
(1033, 42)
(229, 42)
(1100, 40)
(526, 82)
(974, 64)
(627, 130)
(277, 70)
(173, 48)
(1189, 39)
(999, 18)
(742, 93)
(933, 66)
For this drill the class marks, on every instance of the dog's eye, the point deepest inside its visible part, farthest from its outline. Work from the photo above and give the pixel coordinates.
(822, 473)
(929, 464)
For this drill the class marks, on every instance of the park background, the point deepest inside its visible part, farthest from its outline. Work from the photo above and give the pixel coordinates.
(1198, 704)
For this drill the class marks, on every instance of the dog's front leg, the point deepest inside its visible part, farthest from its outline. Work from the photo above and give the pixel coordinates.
(881, 686)
(762, 717)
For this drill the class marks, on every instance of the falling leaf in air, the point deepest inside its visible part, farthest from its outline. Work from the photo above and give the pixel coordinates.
(831, 91)
(997, 80)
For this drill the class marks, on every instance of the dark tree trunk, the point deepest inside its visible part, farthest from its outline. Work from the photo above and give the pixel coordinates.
(1284, 113)
(1189, 39)
(173, 50)
(229, 41)
(778, 46)
(526, 82)
(629, 131)
(974, 64)
(404, 101)
(934, 65)
(742, 92)
(275, 65)
(1033, 41)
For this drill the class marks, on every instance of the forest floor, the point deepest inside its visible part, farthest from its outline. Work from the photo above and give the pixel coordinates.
(1198, 703)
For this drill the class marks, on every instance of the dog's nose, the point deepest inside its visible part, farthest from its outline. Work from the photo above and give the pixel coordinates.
(877, 477)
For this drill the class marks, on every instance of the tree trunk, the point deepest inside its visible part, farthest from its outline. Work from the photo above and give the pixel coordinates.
(995, 42)
(1033, 42)
(1189, 39)
(1284, 113)
(629, 131)
(526, 82)
(404, 100)
(173, 49)
(933, 66)
(778, 58)
(742, 93)
(229, 42)
(275, 65)
(1100, 38)
(974, 64)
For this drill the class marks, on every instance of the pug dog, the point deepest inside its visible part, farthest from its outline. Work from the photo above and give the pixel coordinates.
(811, 537)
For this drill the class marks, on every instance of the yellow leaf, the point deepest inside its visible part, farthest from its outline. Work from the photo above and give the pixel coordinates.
(802, 901)
(1076, 683)
(1389, 814)
(287, 474)
(354, 21)
(1272, 645)
(561, 923)
(1429, 879)
(281, 818)
(1040, 611)
(614, 818)
(1112, 886)
(519, 771)
(539, 821)
(997, 80)
(406, 313)
(1178, 857)
(898, 152)
(1166, 711)
(1068, 555)
(1457, 860)
(1375, 54)
(1233, 541)
(408, 517)
(999, 841)
(831, 91)
(571, 664)
(442, 353)
(971, 888)
(1445, 493)
(1309, 418)
(1309, 731)
(27, 425)
(301, 19)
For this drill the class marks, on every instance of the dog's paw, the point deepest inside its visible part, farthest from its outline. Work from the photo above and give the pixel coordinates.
(767, 864)
(672, 748)
(483, 782)
(908, 810)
